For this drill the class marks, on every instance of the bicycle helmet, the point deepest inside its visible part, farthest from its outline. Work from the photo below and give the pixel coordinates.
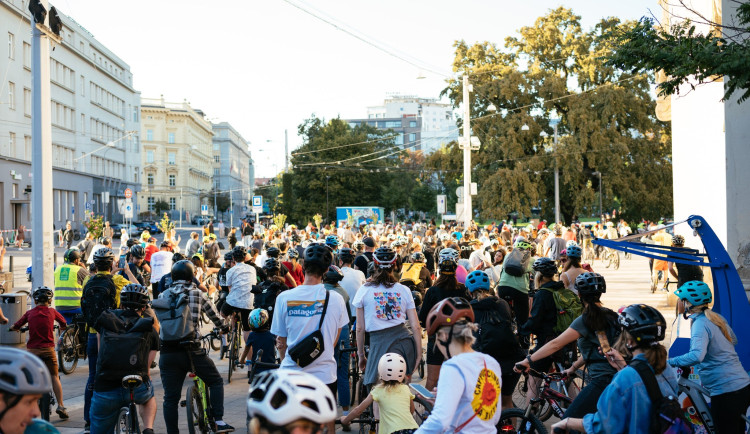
(104, 255)
(570, 243)
(271, 265)
(134, 296)
(384, 257)
(239, 253)
(695, 292)
(678, 241)
(418, 257)
(183, 270)
(206, 239)
(333, 275)
(212, 236)
(283, 397)
(332, 241)
(392, 367)
(346, 255)
(402, 239)
(318, 254)
(447, 312)
(448, 255)
(358, 245)
(545, 266)
(138, 252)
(228, 256)
(22, 373)
(42, 295)
(445, 237)
(574, 251)
(477, 280)
(292, 253)
(258, 318)
(522, 243)
(72, 255)
(590, 284)
(273, 252)
(417, 296)
(646, 324)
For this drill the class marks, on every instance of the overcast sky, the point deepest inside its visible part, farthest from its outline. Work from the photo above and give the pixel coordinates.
(265, 66)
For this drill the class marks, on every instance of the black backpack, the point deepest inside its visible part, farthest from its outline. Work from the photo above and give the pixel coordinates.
(667, 415)
(265, 295)
(98, 295)
(495, 333)
(123, 345)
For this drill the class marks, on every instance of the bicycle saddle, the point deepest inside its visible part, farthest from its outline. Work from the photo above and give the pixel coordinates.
(131, 381)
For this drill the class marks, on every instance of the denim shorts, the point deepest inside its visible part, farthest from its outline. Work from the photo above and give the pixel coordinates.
(105, 406)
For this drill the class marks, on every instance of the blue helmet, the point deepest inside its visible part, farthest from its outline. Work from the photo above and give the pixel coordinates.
(332, 241)
(574, 251)
(477, 279)
(258, 318)
(696, 292)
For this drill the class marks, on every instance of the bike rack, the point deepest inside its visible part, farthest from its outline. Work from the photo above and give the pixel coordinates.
(730, 299)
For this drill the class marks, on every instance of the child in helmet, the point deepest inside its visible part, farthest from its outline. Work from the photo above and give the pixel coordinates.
(41, 320)
(394, 398)
(260, 338)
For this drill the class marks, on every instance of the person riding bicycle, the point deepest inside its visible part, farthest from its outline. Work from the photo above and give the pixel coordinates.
(572, 268)
(69, 279)
(495, 336)
(625, 406)
(137, 265)
(240, 281)
(712, 352)
(41, 320)
(353, 278)
(468, 391)
(265, 292)
(417, 272)
(24, 378)
(260, 339)
(684, 272)
(274, 252)
(445, 286)
(109, 395)
(221, 278)
(595, 321)
(177, 359)
(295, 269)
(516, 288)
(289, 402)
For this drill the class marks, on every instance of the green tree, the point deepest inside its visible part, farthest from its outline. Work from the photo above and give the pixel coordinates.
(555, 69)
(161, 206)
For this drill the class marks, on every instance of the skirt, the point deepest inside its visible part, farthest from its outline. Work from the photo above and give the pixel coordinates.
(396, 339)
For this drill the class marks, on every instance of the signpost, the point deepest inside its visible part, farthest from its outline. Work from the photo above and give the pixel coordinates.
(128, 193)
(441, 208)
(257, 207)
(204, 209)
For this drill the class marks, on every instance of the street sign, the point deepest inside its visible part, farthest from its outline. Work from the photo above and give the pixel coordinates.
(441, 200)
(204, 209)
(72, 209)
(105, 197)
(127, 210)
(128, 193)
(88, 206)
(257, 204)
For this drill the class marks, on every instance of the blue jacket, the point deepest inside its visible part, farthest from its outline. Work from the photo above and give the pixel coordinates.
(624, 406)
(714, 357)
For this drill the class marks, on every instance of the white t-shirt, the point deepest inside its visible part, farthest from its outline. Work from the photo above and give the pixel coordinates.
(476, 258)
(297, 314)
(464, 389)
(161, 264)
(96, 248)
(352, 281)
(241, 279)
(384, 307)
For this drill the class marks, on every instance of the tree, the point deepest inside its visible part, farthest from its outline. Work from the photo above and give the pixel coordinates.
(223, 202)
(683, 53)
(161, 206)
(555, 69)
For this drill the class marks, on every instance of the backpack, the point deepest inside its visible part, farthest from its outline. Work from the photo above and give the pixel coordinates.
(568, 307)
(175, 318)
(123, 345)
(99, 295)
(494, 334)
(411, 272)
(667, 415)
(517, 262)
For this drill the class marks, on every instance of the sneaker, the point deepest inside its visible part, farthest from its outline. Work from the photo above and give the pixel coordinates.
(148, 431)
(87, 428)
(223, 428)
(62, 412)
(224, 350)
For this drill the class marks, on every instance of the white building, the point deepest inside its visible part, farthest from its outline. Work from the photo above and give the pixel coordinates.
(93, 104)
(232, 170)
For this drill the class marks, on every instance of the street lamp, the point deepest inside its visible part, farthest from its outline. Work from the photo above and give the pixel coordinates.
(599, 174)
(554, 123)
(327, 178)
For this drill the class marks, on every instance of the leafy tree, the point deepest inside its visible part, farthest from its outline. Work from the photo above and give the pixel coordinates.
(555, 69)
(161, 206)
(223, 202)
(682, 53)
(95, 226)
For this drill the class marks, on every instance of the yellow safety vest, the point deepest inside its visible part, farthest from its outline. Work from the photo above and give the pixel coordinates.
(68, 291)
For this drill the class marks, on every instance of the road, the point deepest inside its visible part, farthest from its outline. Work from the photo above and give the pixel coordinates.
(628, 285)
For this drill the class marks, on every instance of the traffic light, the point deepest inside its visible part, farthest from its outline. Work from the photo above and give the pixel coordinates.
(55, 23)
(37, 11)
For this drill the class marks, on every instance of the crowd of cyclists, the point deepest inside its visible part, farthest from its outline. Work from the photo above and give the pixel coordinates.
(496, 305)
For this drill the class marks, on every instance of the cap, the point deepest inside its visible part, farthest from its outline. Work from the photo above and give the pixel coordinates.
(369, 242)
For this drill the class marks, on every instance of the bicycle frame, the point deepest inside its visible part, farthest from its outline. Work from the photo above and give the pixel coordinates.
(696, 393)
(203, 391)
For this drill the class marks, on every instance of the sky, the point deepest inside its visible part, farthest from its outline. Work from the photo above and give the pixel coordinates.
(266, 66)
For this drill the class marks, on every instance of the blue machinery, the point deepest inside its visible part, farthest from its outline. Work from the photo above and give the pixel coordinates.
(729, 293)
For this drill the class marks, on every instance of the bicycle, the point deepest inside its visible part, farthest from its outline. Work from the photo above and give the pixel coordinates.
(696, 394)
(422, 406)
(211, 341)
(353, 371)
(256, 363)
(235, 344)
(71, 345)
(554, 394)
(127, 421)
(47, 401)
(197, 403)
(516, 420)
(612, 258)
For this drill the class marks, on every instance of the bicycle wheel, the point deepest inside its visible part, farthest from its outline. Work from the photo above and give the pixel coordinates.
(67, 351)
(234, 355)
(543, 411)
(617, 261)
(194, 409)
(422, 409)
(123, 422)
(353, 380)
(514, 420)
(608, 260)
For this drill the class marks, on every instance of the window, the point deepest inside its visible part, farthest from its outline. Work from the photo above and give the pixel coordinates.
(135, 114)
(170, 138)
(216, 158)
(27, 101)
(412, 137)
(11, 95)
(27, 147)
(172, 203)
(150, 179)
(400, 139)
(216, 171)
(393, 124)
(172, 180)
(83, 123)
(27, 54)
(83, 86)
(151, 202)
(171, 158)
(412, 124)
(150, 135)
(12, 144)
(11, 46)
(149, 156)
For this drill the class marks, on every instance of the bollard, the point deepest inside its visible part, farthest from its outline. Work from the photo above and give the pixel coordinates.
(54, 259)
(10, 263)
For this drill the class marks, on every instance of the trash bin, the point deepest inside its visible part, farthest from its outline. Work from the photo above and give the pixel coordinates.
(13, 306)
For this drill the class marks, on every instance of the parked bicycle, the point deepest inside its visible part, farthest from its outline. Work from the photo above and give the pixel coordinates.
(127, 421)
(71, 346)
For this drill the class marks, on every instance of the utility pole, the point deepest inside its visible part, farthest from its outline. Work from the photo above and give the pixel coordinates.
(467, 153)
(599, 174)
(231, 211)
(180, 206)
(216, 187)
(555, 122)
(286, 151)
(41, 165)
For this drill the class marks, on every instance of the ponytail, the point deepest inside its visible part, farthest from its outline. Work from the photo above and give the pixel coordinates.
(657, 357)
(719, 321)
(596, 317)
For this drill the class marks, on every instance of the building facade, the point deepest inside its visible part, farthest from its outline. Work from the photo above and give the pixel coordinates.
(232, 164)
(176, 157)
(93, 107)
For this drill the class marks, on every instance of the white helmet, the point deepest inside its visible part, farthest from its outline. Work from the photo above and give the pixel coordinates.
(283, 397)
(448, 254)
(570, 243)
(23, 373)
(392, 367)
(444, 237)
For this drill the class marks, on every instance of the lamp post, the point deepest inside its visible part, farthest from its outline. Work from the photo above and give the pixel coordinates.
(599, 174)
(467, 153)
(555, 122)
(327, 178)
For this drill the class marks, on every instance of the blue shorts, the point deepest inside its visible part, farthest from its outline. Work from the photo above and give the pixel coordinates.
(105, 406)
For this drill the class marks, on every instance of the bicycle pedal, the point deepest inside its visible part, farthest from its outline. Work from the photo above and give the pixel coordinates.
(183, 403)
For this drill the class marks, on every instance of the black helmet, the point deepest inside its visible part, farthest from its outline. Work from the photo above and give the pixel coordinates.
(72, 255)
(318, 254)
(134, 296)
(104, 255)
(590, 284)
(42, 295)
(546, 266)
(384, 257)
(177, 257)
(646, 324)
(273, 252)
(418, 257)
(238, 253)
(292, 253)
(271, 264)
(346, 255)
(296, 239)
(678, 241)
(138, 251)
(333, 275)
(183, 270)
(417, 296)
(228, 256)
